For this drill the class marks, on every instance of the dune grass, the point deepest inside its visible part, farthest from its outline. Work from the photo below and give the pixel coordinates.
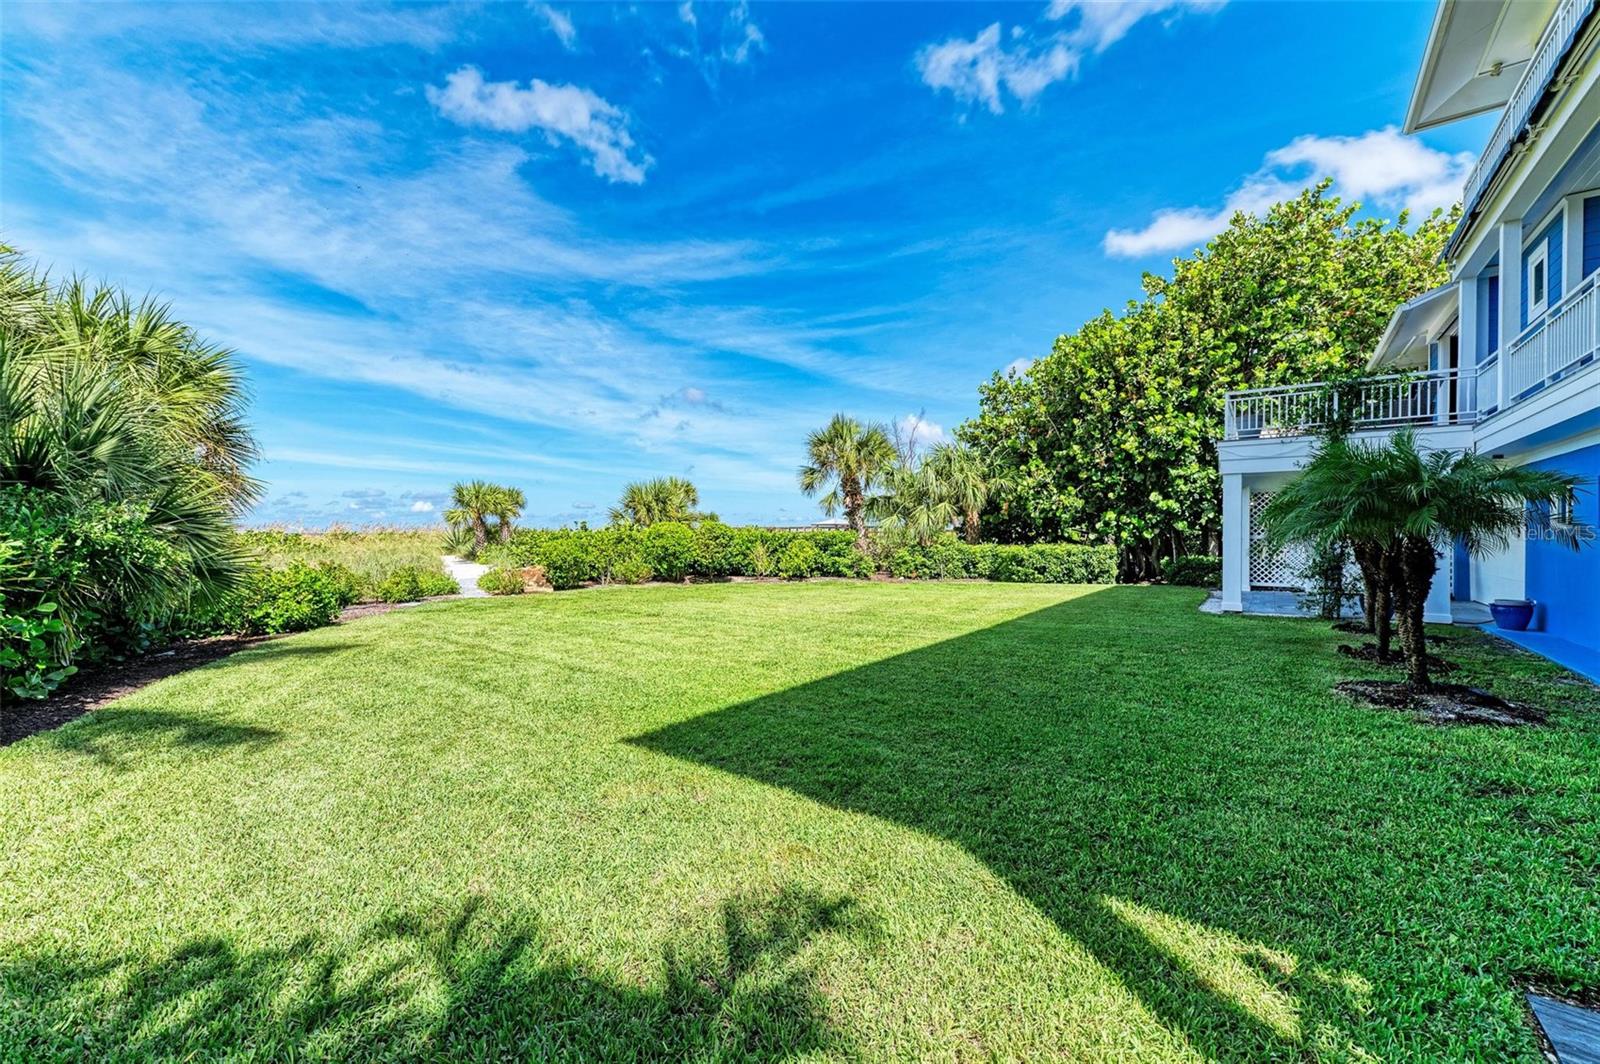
(833, 820)
(370, 553)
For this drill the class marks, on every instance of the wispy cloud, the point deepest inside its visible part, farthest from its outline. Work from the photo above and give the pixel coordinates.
(560, 24)
(560, 112)
(1029, 59)
(1381, 168)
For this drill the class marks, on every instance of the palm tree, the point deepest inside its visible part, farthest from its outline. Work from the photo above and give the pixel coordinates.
(508, 504)
(852, 457)
(958, 475)
(1399, 506)
(110, 406)
(1442, 497)
(912, 505)
(1333, 501)
(472, 503)
(647, 502)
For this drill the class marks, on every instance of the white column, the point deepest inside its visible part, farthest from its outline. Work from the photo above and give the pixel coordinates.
(1437, 609)
(1235, 541)
(1571, 246)
(1510, 297)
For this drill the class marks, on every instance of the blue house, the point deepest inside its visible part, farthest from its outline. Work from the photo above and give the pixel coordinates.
(1506, 357)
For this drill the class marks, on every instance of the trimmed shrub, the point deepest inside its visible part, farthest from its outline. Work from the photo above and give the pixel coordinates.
(668, 550)
(799, 559)
(947, 558)
(501, 582)
(1192, 570)
(631, 571)
(412, 582)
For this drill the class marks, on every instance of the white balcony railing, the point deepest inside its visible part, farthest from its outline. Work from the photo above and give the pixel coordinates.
(1547, 55)
(1443, 397)
(1556, 342)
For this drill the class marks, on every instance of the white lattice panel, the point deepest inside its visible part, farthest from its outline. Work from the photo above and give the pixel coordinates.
(1272, 572)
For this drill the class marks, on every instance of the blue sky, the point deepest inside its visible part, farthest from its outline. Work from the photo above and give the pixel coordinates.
(567, 246)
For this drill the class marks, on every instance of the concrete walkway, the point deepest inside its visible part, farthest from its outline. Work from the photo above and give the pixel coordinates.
(466, 575)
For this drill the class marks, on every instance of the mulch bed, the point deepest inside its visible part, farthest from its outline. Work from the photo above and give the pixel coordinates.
(93, 688)
(1446, 703)
(1368, 652)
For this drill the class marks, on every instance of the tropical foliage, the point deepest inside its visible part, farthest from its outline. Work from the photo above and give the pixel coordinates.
(1399, 506)
(474, 504)
(648, 502)
(848, 461)
(1111, 436)
(125, 459)
(926, 495)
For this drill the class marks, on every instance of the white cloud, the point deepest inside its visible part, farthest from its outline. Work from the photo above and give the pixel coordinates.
(1017, 366)
(986, 68)
(560, 24)
(918, 433)
(561, 112)
(422, 506)
(1381, 168)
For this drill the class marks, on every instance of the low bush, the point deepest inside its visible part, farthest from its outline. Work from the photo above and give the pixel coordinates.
(1192, 570)
(947, 558)
(799, 560)
(710, 549)
(502, 582)
(412, 582)
(631, 571)
(294, 598)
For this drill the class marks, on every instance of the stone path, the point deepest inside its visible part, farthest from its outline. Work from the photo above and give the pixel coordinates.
(466, 574)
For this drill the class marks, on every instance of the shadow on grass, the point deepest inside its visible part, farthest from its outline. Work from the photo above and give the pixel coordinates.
(474, 983)
(1150, 795)
(113, 735)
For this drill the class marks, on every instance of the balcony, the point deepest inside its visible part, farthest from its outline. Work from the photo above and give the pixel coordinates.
(1445, 397)
(1554, 346)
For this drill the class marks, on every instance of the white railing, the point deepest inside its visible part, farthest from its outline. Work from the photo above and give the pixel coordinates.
(1442, 397)
(1489, 386)
(1547, 55)
(1562, 338)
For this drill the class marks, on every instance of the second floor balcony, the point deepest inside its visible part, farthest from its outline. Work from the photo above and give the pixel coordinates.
(1554, 349)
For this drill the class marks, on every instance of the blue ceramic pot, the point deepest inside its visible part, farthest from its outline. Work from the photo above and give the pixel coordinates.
(1512, 615)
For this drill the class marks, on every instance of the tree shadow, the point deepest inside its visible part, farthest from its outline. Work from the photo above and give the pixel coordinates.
(1066, 751)
(113, 736)
(477, 982)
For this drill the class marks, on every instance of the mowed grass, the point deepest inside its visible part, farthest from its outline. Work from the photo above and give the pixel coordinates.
(831, 820)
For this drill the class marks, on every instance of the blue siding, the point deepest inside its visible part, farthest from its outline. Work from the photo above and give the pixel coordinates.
(1551, 239)
(1461, 587)
(1563, 581)
(1591, 235)
(1488, 308)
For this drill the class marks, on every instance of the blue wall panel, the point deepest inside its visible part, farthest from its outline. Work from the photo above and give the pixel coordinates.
(1566, 583)
(1591, 235)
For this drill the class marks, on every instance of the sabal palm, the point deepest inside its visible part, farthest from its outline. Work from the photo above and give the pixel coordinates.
(959, 481)
(851, 460)
(472, 504)
(92, 413)
(647, 502)
(508, 504)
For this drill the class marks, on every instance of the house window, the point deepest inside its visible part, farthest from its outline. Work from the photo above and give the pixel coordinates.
(1539, 281)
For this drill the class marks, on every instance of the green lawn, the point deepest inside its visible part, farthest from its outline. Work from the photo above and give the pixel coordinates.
(839, 820)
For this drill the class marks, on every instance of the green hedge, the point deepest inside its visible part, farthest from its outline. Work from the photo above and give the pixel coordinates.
(1039, 563)
(669, 551)
(1192, 570)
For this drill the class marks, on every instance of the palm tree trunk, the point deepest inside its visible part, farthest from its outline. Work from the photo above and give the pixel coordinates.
(855, 507)
(1372, 582)
(480, 531)
(505, 530)
(972, 526)
(1416, 568)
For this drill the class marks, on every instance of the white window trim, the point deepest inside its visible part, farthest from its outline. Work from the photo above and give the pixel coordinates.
(1540, 256)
